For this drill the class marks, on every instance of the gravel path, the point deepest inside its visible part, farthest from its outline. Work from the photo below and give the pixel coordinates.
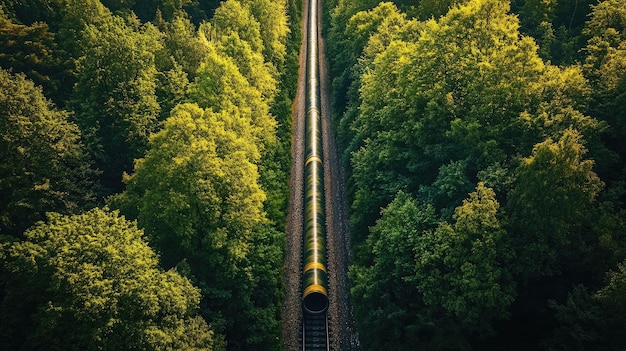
(342, 330)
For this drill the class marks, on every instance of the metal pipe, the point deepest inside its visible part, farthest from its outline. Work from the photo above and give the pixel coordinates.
(314, 275)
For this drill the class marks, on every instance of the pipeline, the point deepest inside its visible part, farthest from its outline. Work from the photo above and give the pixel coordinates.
(314, 275)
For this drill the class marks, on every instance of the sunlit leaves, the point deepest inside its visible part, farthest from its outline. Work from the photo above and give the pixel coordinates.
(607, 19)
(250, 65)
(91, 282)
(115, 97)
(605, 67)
(32, 50)
(458, 267)
(221, 86)
(455, 90)
(196, 186)
(44, 166)
(197, 194)
(233, 16)
(550, 202)
(272, 18)
(184, 45)
(197, 179)
(447, 102)
(464, 78)
(430, 278)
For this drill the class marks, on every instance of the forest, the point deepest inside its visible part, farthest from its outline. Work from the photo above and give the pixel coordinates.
(484, 145)
(145, 157)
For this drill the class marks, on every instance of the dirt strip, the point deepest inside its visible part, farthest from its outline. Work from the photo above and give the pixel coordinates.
(292, 311)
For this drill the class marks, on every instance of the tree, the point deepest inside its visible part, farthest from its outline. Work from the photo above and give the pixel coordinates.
(33, 50)
(367, 33)
(437, 87)
(221, 86)
(196, 184)
(551, 204)
(233, 16)
(32, 11)
(611, 298)
(466, 99)
(434, 8)
(44, 165)
(76, 15)
(387, 303)
(433, 285)
(461, 270)
(605, 67)
(272, 18)
(343, 53)
(185, 45)
(250, 64)
(461, 91)
(591, 320)
(115, 98)
(196, 193)
(91, 282)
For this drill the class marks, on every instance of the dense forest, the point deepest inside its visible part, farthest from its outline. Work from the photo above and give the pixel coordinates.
(145, 150)
(145, 155)
(484, 141)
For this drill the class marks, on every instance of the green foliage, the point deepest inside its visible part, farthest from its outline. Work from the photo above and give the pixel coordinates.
(386, 302)
(433, 286)
(463, 90)
(76, 15)
(196, 193)
(463, 97)
(233, 16)
(31, 11)
(551, 203)
(32, 50)
(221, 86)
(184, 45)
(556, 25)
(534, 12)
(90, 282)
(275, 165)
(605, 67)
(343, 53)
(463, 268)
(434, 8)
(448, 84)
(272, 18)
(592, 321)
(250, 64)
(578, 317)
(44, 166)
(613, 302)
(196, 184)
(115, 98)
(123, 76)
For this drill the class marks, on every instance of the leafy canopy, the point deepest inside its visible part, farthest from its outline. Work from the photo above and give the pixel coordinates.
(91, 282)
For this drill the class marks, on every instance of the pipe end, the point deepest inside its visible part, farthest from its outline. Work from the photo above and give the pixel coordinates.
(315, 302)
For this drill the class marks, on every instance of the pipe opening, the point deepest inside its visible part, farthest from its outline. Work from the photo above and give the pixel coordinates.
(315, 303)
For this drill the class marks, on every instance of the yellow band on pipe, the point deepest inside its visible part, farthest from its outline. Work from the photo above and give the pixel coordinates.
(314, 288)
(311, 108)
(311, 159)
(314, 265)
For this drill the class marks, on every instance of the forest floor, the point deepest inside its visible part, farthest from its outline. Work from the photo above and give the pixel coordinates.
(342, 329)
